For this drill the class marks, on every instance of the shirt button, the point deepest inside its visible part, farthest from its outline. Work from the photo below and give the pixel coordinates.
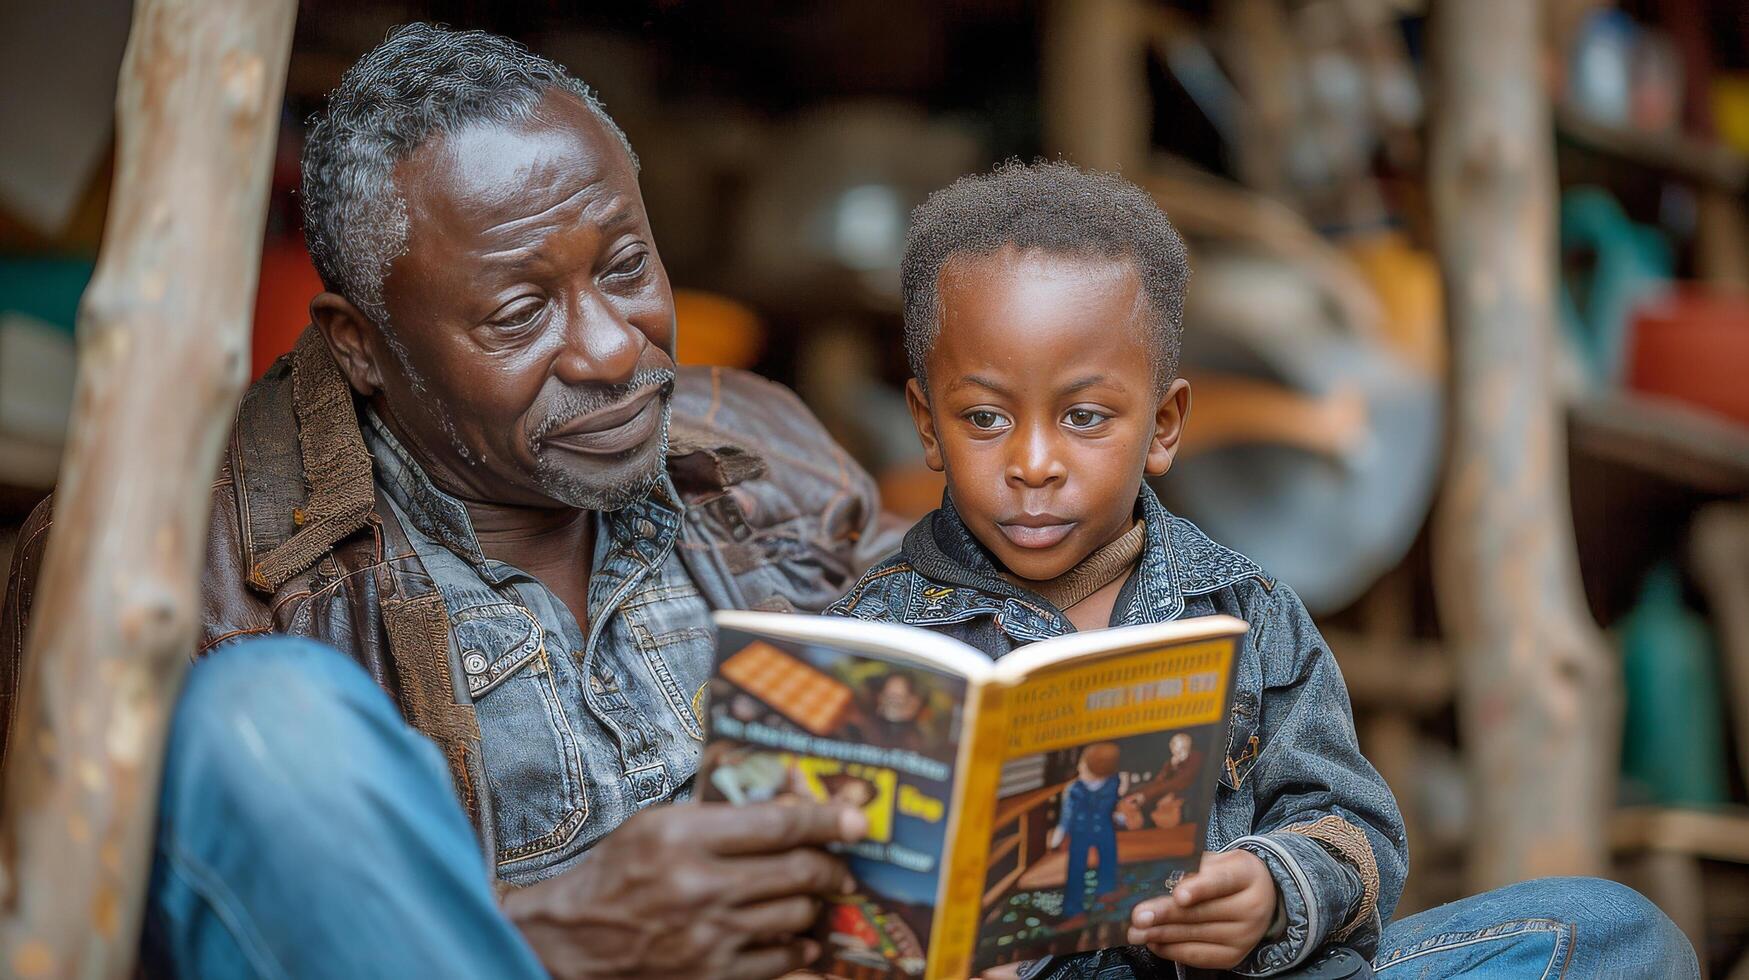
(474, 663)
(643, 528)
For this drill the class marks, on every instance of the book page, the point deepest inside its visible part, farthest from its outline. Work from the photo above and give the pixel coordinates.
(803, 719)
(1107, 777)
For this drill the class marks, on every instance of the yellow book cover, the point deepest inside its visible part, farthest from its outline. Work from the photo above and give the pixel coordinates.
(1017, 808)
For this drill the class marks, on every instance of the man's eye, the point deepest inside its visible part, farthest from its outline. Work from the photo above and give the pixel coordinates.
(985, 420)
(630, 267)
(519, 314)
(1083, 418)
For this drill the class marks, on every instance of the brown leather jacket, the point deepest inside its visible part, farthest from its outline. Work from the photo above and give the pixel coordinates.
(778, 517)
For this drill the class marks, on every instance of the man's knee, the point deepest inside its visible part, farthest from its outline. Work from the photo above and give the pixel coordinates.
(270, 722)
(1612, 922)
(1583, 900)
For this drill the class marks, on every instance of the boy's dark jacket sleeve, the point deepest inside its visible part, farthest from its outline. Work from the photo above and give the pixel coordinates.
(1323, 819)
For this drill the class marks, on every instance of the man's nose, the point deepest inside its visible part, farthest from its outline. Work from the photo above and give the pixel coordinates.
(1034, 461)
(601, 345)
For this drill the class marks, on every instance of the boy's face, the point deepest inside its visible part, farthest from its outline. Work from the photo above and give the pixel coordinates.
(1042, 408)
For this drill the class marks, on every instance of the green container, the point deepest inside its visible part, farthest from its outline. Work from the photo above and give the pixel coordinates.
(1673, 736)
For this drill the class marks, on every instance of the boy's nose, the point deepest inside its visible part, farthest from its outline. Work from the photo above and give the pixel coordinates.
(1035, 463)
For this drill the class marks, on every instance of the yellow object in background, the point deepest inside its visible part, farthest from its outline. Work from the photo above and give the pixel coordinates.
(1406, 281)
(1731, 110)
(716, 330)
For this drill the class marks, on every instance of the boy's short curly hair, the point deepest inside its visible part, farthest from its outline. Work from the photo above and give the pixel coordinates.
(1056, 207)
(1101, 758)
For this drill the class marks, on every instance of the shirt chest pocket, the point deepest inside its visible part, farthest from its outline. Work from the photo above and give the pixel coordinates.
(532, 756)
(670, 628)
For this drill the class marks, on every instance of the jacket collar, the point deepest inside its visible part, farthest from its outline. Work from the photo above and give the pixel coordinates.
(304, 477)
(1178, 561)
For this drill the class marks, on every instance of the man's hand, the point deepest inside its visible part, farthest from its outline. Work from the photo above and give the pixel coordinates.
(1214, 918)
(704, 890)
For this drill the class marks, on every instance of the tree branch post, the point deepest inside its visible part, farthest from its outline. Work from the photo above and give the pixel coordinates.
(1539, 695)
(163, 337)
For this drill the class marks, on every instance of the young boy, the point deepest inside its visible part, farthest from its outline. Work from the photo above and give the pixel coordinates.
(1042, 321)
(1089, 822)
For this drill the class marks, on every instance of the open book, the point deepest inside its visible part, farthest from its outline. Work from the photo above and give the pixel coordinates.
(1017, 808)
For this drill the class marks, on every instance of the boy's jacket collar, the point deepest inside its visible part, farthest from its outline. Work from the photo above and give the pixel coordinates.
(1177, 561)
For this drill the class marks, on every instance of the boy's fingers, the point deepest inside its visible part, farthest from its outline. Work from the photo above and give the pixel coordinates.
(1224, 933)
(1205, 956)
(1188, 906)
(1216, 880)
(1152, 911)
(1228, 908)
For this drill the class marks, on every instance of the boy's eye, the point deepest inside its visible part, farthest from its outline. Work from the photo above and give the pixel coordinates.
(986, 420)
(1083, 418)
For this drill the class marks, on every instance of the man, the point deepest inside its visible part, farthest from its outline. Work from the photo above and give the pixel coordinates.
(1175, 781)
(482, 477)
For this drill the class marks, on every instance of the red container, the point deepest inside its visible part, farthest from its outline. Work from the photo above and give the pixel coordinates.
(1692, 345)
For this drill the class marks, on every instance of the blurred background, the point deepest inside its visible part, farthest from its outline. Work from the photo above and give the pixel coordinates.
(783, 145)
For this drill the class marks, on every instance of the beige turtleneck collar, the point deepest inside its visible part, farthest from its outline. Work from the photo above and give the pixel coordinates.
(1095, 572)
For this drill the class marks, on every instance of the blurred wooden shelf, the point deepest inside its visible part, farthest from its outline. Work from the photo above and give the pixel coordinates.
(1701, 161)
(1639, 468)
(1665, 439)
(1711, 835)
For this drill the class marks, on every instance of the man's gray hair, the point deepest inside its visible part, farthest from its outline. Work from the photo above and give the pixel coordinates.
(422, 81)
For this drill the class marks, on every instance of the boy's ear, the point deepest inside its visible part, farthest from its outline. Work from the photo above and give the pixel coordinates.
(1169, 419)
(349, 334)
(917, 400)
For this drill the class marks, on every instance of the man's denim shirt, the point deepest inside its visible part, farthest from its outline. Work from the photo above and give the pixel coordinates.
(578, 730)
(1294, 789)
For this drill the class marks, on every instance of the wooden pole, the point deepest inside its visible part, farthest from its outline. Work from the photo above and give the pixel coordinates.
(1095, 86)
(1539, 696)
(163, 344)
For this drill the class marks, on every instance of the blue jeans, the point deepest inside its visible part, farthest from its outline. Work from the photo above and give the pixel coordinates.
(306, 831)
(1551, 927)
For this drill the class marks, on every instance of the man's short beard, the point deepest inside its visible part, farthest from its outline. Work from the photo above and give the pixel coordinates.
(565, 486)
(560, 483)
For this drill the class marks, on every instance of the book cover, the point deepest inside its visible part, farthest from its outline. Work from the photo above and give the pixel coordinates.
(1103, 792)
(1016, 811)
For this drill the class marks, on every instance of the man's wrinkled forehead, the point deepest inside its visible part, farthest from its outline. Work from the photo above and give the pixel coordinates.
(487, 184)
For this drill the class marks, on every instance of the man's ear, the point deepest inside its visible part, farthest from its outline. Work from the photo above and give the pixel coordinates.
(917, 400)
(350, 336)
(1169, 419)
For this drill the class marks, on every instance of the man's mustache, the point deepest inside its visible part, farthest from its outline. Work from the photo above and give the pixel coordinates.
(573, 402)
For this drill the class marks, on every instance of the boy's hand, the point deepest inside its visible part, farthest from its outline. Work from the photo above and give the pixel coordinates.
(1214, 918)
(1054, 840)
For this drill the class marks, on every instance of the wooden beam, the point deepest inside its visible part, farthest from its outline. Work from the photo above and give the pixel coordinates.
(1097, 109)
(1539, 699)
(1663, 439)
(163, 346)
(1713, 835)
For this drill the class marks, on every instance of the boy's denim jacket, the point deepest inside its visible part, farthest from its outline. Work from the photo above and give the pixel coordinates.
(1294, 789)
